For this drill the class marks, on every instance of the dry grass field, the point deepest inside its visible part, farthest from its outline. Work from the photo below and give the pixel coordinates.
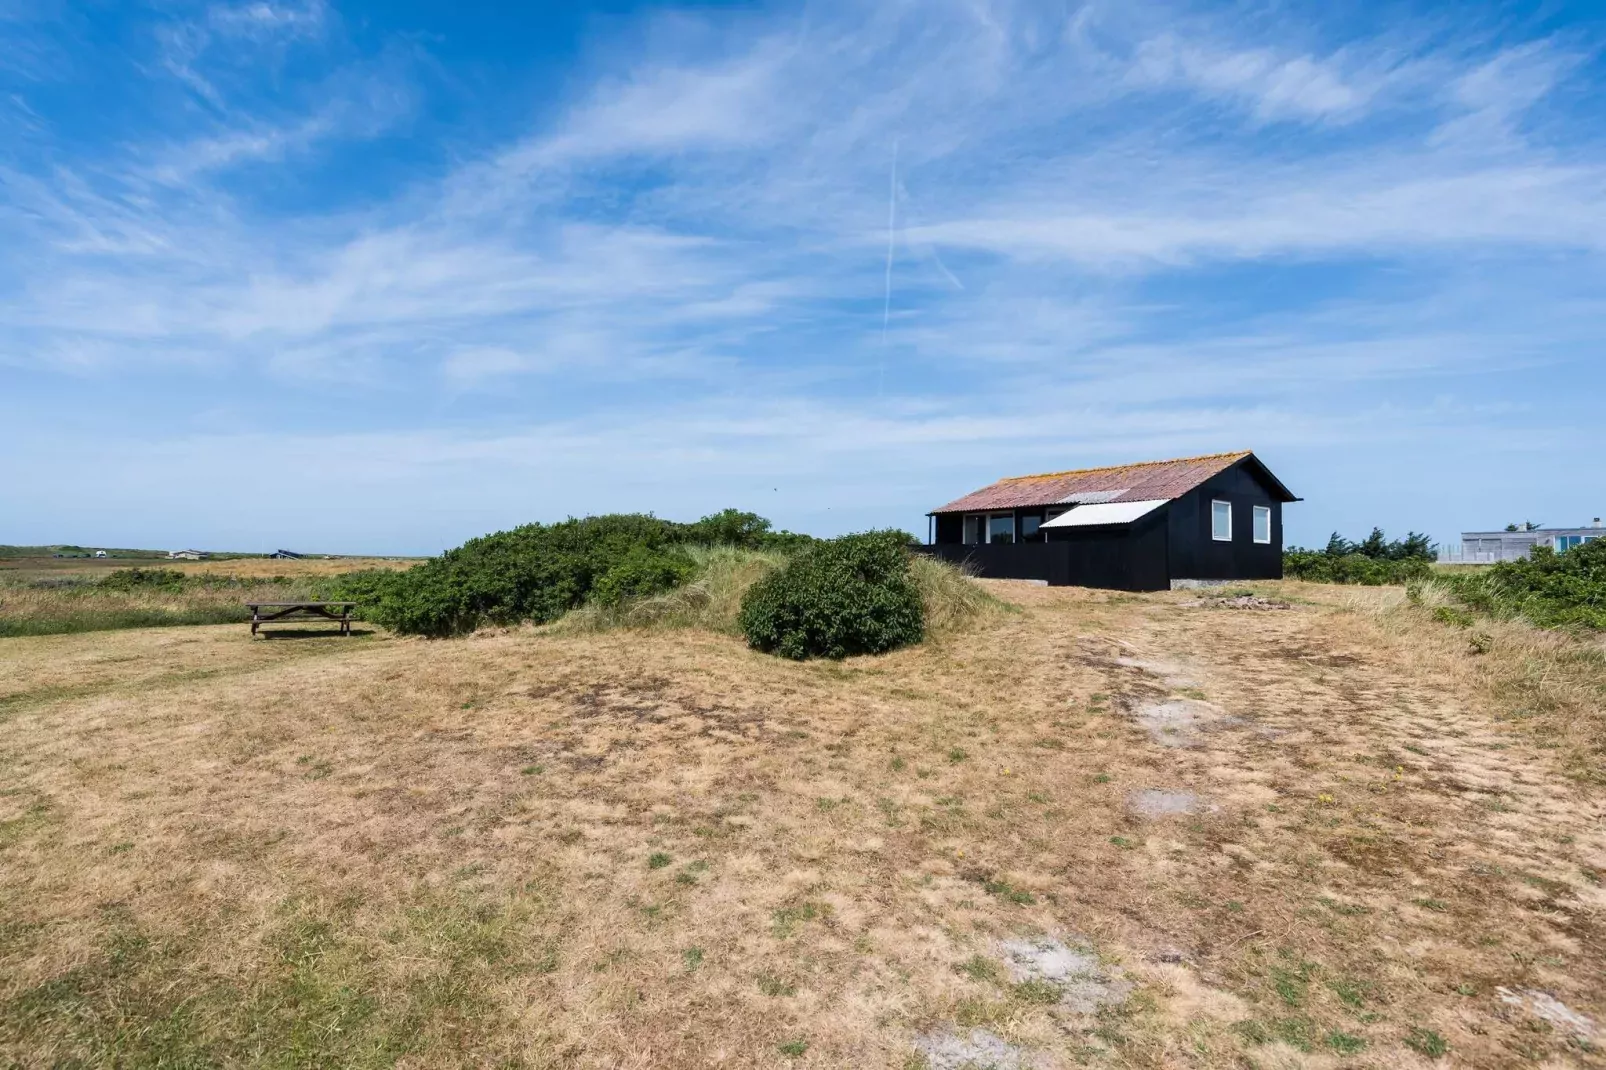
(41, 568)
(1107, 829)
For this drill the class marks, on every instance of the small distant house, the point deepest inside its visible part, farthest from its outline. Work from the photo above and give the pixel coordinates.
(286, 555)
(1489, 547)
(1133, 527)
(187, 555)
(100, 553)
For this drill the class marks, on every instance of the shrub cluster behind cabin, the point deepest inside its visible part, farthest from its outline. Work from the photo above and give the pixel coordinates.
(1374, 561)
(1551, 590)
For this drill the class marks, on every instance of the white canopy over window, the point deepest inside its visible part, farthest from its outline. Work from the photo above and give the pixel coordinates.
(1107, 513)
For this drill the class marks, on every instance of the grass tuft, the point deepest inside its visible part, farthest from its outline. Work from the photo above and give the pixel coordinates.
(1427, 1042)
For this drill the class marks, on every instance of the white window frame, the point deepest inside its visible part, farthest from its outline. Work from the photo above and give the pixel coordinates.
(1213, 536)
(1254, 518)
(1014, 528)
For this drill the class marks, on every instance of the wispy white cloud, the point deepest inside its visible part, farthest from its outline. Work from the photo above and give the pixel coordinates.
(1273, 86)
(260, 19)
(1355, 211)
(1491, 99)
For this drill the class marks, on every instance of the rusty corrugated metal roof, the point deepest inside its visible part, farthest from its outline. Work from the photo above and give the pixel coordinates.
(1146, 481)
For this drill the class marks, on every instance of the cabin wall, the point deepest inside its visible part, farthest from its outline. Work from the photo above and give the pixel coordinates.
(1125, 558)
(1017, 561)
(1195, 555)
(1128, 557)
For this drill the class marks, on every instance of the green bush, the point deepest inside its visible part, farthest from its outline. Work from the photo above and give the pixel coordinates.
(1374, 561)
(1320, 567)
(1548, 589)
(747, 531)
(539, 572)
(367, 587)
(134, 579)
(852, 595)
(641, 573)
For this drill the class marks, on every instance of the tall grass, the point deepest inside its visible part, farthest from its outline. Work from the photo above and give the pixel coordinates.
(953, 601)
(81, 604)
(712, 599)
(1549, 681)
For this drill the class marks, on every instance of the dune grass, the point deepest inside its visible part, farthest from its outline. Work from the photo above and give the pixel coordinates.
(712, 600)
(954, 602)
(1549, 681)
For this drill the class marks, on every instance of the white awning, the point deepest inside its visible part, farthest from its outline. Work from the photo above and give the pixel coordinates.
(1108, 513)
(1092, 497)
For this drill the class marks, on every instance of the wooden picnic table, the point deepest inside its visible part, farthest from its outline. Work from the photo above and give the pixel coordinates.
(267, 612)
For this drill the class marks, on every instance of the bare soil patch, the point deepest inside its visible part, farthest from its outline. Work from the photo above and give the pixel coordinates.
(1241, 601)
(1159, 802)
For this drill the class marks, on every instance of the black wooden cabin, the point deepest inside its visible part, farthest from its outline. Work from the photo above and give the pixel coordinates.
(1134, 527)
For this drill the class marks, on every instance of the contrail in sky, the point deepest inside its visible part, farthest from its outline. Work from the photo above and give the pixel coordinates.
(886, 307)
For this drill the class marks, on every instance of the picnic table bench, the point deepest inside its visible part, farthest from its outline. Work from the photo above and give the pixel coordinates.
(267, 612)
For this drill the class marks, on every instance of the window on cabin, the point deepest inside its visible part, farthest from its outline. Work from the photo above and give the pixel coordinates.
(1262, 523)
(1001, 529)
(1221, 521)
(1029, 526)
(974, 531)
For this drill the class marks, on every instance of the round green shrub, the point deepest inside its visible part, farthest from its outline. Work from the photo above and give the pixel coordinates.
(852, 595)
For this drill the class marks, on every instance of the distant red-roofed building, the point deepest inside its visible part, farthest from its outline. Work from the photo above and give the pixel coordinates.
(1135, 527)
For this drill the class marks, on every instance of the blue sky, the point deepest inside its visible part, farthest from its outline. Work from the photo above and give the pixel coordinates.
(381, 277)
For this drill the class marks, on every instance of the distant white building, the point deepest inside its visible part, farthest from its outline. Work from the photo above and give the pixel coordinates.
(1488, 547)
(187, 555)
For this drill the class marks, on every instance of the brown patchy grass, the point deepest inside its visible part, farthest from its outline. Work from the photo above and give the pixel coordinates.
(265, 567)
(659, 849)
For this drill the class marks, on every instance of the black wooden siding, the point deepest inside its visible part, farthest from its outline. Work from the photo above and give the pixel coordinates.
(1174, 542)
(1194, 555)
(1119, 557)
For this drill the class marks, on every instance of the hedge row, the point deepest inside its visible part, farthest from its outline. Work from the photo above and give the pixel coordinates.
(539, 572)
(1374, 561)
(1353, 568)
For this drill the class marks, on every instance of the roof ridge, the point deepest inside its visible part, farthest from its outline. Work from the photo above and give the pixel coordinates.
(1113, 467)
